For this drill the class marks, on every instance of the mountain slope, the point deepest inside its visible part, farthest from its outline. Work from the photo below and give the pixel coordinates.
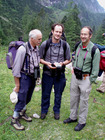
(14, 10)
(91, 5)
(91, 13)
(12, 13)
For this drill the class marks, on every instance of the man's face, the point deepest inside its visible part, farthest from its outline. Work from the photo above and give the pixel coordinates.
(57, 32)
(37, 40)
(85, 36)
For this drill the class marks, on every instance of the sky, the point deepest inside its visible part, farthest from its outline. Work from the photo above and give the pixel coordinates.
(102, 3)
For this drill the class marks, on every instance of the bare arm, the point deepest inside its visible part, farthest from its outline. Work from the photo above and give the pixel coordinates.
(66, 62)
(17, 84)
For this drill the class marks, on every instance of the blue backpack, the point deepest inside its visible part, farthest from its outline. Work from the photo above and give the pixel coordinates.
(10, 57)
(100, 47)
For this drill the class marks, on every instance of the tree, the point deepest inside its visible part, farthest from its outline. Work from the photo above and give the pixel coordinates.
(99, 39)
(72, 26)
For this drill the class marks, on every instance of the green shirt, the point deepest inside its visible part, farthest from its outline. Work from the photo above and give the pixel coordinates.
(88, 63)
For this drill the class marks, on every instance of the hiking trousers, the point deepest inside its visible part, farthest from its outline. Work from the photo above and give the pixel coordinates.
(27, 85)
(59, 85)
(79, 95)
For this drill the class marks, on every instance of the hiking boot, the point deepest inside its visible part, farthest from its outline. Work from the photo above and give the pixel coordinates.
(43, 116)
(69, 120)
(16, 124)
(56, 116)
(79, 127)
(24, 116)
(99, 90)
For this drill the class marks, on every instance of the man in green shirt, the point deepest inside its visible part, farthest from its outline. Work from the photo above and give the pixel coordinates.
(85, 72)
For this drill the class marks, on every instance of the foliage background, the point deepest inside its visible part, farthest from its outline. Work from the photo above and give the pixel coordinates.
(17, 18)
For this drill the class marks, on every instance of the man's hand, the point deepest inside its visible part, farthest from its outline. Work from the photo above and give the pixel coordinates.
(42, 61)
(51, 66)
(16, 89)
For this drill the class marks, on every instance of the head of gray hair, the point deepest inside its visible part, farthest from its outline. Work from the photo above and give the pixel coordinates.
(34, 33)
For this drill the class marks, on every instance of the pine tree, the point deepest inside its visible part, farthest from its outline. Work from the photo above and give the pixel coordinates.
(72, 26)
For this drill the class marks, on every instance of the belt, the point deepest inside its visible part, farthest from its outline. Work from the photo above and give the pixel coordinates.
(29, 74)
(85, 75)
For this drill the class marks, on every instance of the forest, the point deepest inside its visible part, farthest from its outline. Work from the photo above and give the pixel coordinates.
(21, 19)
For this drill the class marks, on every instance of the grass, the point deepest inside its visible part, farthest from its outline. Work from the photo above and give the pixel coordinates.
(48, 129)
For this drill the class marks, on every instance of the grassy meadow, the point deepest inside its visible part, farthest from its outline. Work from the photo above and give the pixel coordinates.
(48, 129)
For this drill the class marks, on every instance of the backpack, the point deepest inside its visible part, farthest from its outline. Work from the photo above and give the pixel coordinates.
(10, 57)
(102, 56)
(100, 47)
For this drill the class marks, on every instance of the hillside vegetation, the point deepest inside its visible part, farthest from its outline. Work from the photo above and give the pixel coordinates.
(17, 18)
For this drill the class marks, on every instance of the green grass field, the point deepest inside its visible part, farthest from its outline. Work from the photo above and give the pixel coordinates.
(48, 129)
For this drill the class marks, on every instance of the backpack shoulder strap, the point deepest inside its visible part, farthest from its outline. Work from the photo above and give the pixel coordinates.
(76, 45)
(92, 55)
(47, 46)
(26, 59)
(64, 48)
(93, 51)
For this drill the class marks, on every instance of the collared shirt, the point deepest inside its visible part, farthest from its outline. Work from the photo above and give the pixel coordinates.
(33, 59)
(88, 63)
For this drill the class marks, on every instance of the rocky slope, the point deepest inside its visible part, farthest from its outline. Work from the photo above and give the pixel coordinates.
(91, 5)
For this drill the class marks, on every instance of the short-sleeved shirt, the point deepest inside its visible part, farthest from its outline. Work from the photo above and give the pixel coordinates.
(55, 52)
